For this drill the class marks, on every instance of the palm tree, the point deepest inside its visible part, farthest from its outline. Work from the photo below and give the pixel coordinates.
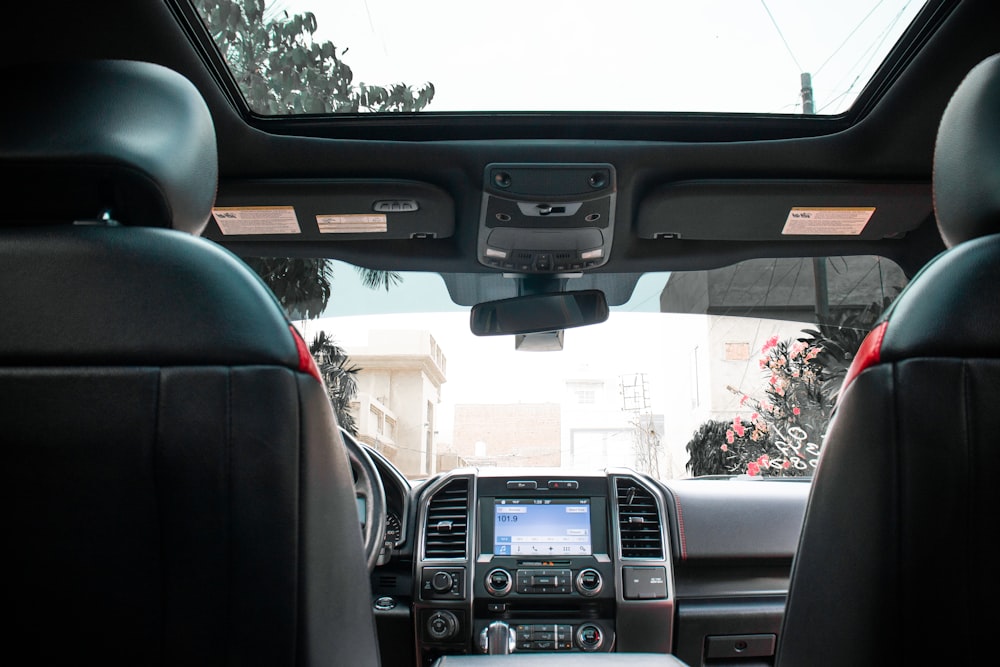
(339, 376)
(303, 287)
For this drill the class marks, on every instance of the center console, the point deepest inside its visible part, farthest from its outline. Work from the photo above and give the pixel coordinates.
(543, 564)
(539, 567)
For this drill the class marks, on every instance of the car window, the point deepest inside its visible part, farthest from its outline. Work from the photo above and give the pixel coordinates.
(377, 56)
(733, 371)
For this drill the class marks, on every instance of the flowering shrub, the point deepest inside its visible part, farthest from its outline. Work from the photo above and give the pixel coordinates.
(801, 381)
(797, 406)
(783, 433)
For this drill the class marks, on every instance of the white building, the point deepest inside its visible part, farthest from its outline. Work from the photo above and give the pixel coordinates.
(399, 389)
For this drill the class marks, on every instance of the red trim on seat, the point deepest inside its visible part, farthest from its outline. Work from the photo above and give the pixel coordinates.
(306, 362)
(868, 355)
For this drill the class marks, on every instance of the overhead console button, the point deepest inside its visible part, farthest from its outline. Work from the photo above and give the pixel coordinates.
(550, 218)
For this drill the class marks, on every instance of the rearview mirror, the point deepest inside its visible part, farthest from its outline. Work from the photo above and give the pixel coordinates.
(539, 312)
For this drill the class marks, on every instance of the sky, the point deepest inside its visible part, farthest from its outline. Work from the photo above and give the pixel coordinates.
(664, 55)
(421, 302)
(426, 292)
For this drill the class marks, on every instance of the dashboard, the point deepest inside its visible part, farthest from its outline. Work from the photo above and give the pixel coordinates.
(532, 561)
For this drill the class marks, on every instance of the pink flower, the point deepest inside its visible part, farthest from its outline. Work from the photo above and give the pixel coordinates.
(796, 349)
(738, 426)
(753, 417)
(753, 469)
(811, 354)
(771, 342)
(786, 465)
(764, 461)
(743, 400)
(725, 448)
(796, 411)
(729, 436)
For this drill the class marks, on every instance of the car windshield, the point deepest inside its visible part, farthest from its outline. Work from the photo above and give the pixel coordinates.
(733, 371)
(720, 56)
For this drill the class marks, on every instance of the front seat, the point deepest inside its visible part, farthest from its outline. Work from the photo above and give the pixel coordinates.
(176, 490)
(895, 563)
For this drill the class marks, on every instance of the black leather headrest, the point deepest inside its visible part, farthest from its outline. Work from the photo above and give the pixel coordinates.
(132, 139)
(967, 158)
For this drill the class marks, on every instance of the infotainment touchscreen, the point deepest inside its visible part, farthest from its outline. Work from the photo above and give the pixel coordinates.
(541, 527)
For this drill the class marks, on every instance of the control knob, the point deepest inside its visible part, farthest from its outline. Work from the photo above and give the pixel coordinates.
(498, 582)
(589, 637)
(442, 625)
(442, 582)
(589, 582)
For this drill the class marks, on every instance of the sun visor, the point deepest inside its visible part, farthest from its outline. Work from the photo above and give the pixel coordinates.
(330, 210)
(783, 210)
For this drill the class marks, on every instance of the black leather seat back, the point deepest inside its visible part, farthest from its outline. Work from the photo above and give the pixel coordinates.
(177, 490)
(895, 560)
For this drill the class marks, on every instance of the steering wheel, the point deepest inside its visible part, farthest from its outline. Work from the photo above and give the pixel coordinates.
(368, 486)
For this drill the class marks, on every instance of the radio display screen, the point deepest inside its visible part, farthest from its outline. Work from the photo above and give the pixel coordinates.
(542, 527)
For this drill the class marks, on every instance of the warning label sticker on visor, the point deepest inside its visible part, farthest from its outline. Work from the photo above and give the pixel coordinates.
(246, 220)
(352, 223)
(830, 221)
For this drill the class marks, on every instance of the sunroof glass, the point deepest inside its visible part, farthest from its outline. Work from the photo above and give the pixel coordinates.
(720, 56)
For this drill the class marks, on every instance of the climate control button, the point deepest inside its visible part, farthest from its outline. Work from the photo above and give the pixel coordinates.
(589, 637)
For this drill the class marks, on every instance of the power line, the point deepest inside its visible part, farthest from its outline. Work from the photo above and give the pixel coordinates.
(868, 53)
(782, 36)
(848, 38)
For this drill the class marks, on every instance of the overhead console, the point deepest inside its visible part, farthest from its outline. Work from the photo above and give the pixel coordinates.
(546, 218)
(547, 564)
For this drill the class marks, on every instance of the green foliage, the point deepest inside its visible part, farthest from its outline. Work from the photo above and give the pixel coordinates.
(840, 337)
(302, 286)
(339, 376)
(373, 279)
(705, 453)
(281, 69)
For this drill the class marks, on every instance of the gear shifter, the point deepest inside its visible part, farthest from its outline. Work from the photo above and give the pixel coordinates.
(497, 638)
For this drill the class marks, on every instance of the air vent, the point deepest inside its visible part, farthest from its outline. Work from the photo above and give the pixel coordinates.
(448, 521)
(638, 521)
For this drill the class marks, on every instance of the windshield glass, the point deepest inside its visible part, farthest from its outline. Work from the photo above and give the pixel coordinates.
(722, 372)
(350, 56)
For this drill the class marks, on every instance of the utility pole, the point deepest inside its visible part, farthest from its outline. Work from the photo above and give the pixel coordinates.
(807, 93)
(819, 263)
